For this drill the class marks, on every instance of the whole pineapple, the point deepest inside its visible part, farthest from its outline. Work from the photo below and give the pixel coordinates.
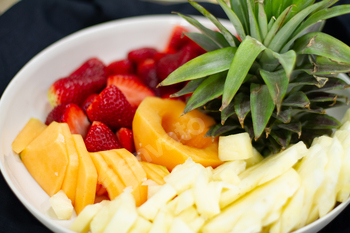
(274, 82)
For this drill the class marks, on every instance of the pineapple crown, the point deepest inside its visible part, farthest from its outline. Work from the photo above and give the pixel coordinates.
(275, 78)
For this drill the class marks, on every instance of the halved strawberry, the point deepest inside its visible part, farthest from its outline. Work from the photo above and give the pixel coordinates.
(147, 72)
(177, 39)
(139, 55)
(88, 79)
(126, 139)
(111, 108)
(120, 67)
(71, 114)
(88, 101)
(135, 91)
(171, 62)
(100, 138)
(92, 67)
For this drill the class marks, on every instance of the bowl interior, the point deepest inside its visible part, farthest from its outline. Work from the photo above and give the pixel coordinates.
(26, 95)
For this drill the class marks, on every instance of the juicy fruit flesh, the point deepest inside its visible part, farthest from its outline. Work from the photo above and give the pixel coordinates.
(154, 144)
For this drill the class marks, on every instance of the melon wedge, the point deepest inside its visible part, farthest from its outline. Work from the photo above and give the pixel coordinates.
(70, 180)
(31, 130)
(46, 158)
(126, 166)
(87, 176)
(107, 177)
(155, 172)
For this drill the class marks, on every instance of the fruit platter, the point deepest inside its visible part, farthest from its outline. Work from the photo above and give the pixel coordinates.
(133, 126)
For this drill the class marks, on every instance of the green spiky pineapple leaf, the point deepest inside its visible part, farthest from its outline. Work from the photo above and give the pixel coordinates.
(279, 79)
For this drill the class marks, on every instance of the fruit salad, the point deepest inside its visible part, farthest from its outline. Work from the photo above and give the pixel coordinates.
(130, 155)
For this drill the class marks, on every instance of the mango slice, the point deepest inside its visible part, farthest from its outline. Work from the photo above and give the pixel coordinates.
(31, 130)
(70, 180)
(155, 172)
(163, 137)
(107, 177)
(46, 158)
(87, 176)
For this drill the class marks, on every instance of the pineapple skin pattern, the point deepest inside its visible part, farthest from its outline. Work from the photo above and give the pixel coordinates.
(275, 78)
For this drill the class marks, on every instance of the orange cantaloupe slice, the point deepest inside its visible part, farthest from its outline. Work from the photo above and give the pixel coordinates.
(46, 158)
(126, 173)
(70, 180)
(162, 136)
(33, 128)
(87, 176)
(107, 177)
(138, 171)
(155, 172)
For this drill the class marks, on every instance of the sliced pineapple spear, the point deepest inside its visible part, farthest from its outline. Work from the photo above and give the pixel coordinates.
(268, 169)
(247, 214)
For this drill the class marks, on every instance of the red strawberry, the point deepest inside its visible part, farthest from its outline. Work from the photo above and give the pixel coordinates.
(88, 101)
(126, 139)
(100, 138)
(92, 67)
(71, 114)
(120, 67)
(146, 70)
(171, 62)
(88, 79)
(138, 55)
(111, 108)
(177, 40)
(135, 91)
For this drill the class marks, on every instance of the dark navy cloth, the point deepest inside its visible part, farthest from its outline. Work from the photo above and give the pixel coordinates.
(31, 25)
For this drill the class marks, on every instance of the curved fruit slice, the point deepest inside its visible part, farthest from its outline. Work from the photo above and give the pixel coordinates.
(126, 166)
(87, 176)
(155, 172)
(107, 177)
(46, 158)
(163, 137)
(30, 131)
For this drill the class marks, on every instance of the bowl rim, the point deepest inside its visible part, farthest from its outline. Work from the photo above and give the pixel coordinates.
(43, 218)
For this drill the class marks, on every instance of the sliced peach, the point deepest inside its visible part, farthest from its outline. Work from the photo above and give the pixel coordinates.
(87, 176)
(155, 172)
(31, 130)
(46, 158)
(70, 179)
(107, 177)
(162, 136)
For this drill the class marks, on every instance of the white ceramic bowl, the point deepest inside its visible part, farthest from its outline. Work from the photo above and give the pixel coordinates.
(25, 96)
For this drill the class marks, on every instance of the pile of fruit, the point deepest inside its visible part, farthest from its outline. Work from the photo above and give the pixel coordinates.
(185, 178)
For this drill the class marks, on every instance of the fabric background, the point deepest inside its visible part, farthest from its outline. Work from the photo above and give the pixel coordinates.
(32, 25)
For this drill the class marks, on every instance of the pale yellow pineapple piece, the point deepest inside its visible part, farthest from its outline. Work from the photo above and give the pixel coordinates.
(206, 195)
(255, 159)
(82, 222)
(125, 215)
(346, 117)
(61, 205)
(162, 221)
(345, 126)
(268, 169)
(235, 147)
(150, 208)
(184, 201)
(325, 196)
(343, 185)
(141, 225)
(197, 224)
(311, 170)
(103, 217)
(188, 215)
(178, 226)
(324, 141)
(183, 176)
(229, 171)
(247, 213)
(152, 187)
